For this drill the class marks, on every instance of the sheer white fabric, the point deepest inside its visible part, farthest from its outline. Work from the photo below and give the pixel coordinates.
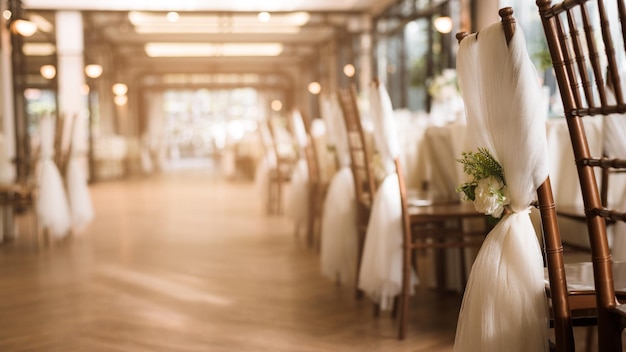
(267, 163)
(297, 194)
(504, 307)
(381, 265)
(338, 249)
(52, 205)
(338, 230)
(77, 190)
(7, 171)
(615, 147)
(299, 130)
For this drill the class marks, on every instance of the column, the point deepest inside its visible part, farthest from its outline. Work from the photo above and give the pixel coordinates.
(70, 66)
(6, 69)
(365, 54)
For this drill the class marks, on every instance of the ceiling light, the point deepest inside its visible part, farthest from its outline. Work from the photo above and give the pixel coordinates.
(443, 24)
(264, 16)
(48, 71)
(172, 16)
(147, 22)
(25, 28)
(6, 14)
(212, 49)
(38, 49)
(277, 105)
(93, 71)
(314, 88)
(349, 70)
(120, 89)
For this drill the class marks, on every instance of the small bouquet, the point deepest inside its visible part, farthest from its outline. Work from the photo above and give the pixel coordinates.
(487, 187)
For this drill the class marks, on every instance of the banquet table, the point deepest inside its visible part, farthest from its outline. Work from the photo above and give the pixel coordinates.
(430, 152)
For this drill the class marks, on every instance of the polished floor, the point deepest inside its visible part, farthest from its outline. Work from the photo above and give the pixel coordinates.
(185, 261)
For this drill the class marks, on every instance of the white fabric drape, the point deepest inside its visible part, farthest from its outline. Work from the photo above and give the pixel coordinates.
(77, 190)
(52, 205)
(381, 265)
(297, 194)
(614, 127)
(338, 230)
(7, 171)
(267, 163)
(504, 307)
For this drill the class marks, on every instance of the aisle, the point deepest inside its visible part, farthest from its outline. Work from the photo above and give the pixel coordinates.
(187, 262)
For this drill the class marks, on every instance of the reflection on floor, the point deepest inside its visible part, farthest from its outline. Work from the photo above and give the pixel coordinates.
(184, 261)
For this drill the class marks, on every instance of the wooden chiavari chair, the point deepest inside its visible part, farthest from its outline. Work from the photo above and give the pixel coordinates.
(435, 226)
(362, 172)
(580, 48)
(557, 288)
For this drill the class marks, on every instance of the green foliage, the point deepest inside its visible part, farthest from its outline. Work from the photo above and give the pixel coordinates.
(478, 165)
(481, 165)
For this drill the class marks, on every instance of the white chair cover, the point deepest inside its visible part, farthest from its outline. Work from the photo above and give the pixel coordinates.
(615, 147)
(338, 249)
(52, 206)
(297, 194)
(77, 190)
(266, 164)
(381, 266)
(298, 129)
(504, 307)
(7, 170)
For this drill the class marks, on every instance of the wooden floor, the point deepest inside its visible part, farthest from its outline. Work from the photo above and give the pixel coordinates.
(185, 261)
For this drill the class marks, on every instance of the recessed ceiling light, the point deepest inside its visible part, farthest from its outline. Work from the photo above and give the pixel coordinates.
(212, 49)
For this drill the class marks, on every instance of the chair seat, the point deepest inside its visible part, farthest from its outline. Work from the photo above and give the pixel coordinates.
(581, 288)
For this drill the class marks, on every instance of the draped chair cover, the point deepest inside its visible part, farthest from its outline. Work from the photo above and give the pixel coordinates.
(297, 194)
(78, 193)
(614, 127)
(52, 206)
(504, 307)
(380, 276)
(338, 250)
(266, 164)
(7, 172)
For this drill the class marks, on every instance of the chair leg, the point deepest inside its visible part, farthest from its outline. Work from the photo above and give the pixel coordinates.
(360, 243)
(406, 291)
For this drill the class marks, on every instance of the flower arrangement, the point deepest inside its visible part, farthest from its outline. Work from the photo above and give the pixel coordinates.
(487, 187)
(444, 87)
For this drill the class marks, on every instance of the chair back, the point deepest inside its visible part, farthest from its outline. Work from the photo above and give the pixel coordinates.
(360, 153)
(584, 38)
(310, 155)
(551, 236)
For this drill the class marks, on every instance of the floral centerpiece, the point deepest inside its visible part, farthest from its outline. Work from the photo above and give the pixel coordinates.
(444, 87)
(486, 187)
(447, 104)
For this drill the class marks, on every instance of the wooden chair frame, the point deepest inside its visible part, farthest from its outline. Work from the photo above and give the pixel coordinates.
(360, 157)
(579, 73)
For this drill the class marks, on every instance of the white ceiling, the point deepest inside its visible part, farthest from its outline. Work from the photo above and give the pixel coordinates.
(107, 21)
(210, 5)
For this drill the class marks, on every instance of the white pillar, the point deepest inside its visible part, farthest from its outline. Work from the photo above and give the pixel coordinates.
(70, 65)
(366, 52)
(6, 69)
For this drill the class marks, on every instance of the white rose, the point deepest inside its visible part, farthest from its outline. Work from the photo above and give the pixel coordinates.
(490, 199)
